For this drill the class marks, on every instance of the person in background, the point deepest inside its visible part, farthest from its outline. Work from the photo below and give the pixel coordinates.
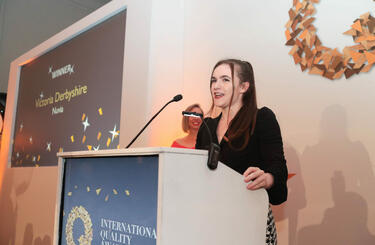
(249, 138)
(190, 125)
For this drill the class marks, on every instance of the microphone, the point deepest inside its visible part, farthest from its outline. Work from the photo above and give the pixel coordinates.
(214, 150)
(175, 99)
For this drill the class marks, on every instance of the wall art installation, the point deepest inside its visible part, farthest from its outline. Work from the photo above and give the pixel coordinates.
(310, 53)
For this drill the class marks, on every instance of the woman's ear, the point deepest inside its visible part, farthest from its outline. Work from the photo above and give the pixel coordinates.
(244, 87)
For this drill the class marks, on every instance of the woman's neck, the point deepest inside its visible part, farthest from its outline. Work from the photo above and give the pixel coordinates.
(229, 113)
(192, 135)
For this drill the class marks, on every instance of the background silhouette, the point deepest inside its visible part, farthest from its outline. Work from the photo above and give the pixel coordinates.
(339, 183)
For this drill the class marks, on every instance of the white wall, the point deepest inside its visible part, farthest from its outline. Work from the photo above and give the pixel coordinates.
(326, 125)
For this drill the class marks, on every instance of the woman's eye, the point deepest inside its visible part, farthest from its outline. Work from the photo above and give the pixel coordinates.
(226, 80)
(213, 80)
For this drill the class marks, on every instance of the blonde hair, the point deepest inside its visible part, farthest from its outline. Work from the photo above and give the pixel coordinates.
(185, 120)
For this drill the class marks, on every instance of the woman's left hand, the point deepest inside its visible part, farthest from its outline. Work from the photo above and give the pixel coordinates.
(257, 178)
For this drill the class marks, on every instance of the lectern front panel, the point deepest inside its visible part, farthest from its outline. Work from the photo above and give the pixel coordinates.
(109, 201)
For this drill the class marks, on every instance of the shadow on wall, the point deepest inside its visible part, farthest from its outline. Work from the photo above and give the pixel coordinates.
(9, 207)
(8, 211)
(344, 223)
(339, 183)
(290, 210)
(29, 236)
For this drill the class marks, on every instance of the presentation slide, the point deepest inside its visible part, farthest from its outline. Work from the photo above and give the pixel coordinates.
(69, 98)
(109, 201)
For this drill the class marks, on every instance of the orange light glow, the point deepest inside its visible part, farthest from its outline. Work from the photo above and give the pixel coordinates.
(291, 175)
(27, 62)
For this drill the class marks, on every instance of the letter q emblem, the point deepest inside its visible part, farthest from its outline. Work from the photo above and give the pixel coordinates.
(79, 213)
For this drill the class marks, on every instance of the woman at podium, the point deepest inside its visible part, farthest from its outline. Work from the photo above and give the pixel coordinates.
(190, 125)
(249, 138)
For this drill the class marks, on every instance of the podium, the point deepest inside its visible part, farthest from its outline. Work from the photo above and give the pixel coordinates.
(162, 196)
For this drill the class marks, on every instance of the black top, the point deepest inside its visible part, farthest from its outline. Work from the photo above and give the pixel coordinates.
(264, 150)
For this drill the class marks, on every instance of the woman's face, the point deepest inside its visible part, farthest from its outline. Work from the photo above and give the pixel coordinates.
(195, 122)
(222, 87)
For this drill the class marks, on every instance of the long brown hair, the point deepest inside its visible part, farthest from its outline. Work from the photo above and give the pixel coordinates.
(243, 124)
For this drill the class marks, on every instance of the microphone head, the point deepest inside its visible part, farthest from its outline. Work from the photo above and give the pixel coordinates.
(177, 98)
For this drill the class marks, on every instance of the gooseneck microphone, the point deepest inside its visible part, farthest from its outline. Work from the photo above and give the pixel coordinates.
(214, 150)
(175, 99)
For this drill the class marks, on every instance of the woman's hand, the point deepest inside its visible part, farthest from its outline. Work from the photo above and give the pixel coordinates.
(257, 178)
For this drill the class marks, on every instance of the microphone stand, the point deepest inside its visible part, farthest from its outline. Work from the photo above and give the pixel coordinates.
(175, 99)
(214, 150)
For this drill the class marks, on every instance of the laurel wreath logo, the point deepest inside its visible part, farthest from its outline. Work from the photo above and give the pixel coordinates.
(309, 52)
(79, 213)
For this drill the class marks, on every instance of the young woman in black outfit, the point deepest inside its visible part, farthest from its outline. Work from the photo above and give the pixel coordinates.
(249, 138)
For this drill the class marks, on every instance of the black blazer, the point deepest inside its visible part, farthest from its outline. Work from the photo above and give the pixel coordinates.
(264, 150)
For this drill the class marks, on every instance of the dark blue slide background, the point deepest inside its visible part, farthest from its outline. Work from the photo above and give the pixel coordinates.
(83, 121)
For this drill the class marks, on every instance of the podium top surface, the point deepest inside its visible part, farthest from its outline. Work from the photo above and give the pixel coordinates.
(131, 151)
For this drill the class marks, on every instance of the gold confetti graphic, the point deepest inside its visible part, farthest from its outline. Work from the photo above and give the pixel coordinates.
(22, 154)
(309, 52)
(98, 191)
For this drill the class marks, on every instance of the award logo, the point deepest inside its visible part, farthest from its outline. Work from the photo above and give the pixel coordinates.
(79, 212)
(310, 53)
